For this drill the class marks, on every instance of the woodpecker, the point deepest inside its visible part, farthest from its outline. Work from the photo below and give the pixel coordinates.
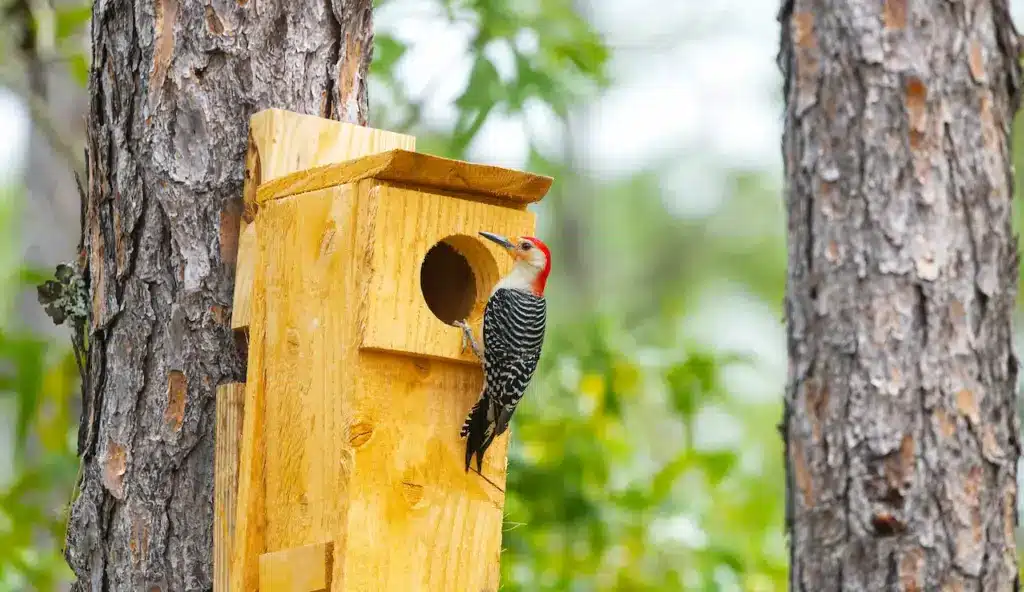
(514, 321)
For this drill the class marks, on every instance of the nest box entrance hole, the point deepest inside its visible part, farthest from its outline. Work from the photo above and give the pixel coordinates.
(456, 278)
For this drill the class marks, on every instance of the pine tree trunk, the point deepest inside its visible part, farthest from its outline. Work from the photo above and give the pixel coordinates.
(172, 87)
(900, 423)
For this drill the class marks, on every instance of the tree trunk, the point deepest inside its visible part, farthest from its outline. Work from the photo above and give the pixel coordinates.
(900, 423)
(172, 87)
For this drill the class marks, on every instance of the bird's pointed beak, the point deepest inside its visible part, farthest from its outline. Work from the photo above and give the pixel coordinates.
(497, 238)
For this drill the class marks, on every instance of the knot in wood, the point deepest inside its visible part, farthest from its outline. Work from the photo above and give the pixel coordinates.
(359, 434)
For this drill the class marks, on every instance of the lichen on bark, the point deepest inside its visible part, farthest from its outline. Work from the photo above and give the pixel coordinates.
(172, 87)
(900, 421)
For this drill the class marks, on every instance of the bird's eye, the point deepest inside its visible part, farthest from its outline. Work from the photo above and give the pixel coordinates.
(525, 246)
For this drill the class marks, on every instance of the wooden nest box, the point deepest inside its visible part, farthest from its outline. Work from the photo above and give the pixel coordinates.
(355, 255)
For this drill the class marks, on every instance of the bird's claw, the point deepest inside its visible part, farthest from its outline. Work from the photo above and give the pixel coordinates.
(465, 331)
(468, 340)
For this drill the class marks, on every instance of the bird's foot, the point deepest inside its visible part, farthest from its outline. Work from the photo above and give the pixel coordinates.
(468, 339)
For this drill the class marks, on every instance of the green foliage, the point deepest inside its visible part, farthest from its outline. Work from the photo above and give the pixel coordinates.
(69, 20)
(33, 506)
(607, 489)
(554, 72)
(42, 33)
(38, 381)
(558, 59)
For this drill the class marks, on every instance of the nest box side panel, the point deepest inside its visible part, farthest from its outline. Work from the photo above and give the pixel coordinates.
(281, 143)
(248, 538)
(417, 520)
(308, 246)
(408, 294)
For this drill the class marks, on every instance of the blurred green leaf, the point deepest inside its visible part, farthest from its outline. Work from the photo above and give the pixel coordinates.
(78, 65)
(38, 382)
(386, 52)
(557, 59)
(71, 19)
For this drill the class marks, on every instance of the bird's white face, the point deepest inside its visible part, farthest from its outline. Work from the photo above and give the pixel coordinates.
(532, 262)
(527, 252)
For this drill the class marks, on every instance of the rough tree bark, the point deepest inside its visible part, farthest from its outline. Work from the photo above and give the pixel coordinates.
(900, 423)
(172, 87)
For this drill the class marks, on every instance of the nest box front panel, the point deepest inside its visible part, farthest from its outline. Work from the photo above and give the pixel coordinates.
(429, 267)
(302, 355)
(409, 492)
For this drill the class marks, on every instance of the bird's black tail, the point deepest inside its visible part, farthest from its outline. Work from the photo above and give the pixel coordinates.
(478, 430)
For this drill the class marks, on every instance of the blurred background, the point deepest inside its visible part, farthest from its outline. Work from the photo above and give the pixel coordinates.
(646, 456)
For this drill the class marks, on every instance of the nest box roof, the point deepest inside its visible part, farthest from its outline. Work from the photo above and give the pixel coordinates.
(417, 170)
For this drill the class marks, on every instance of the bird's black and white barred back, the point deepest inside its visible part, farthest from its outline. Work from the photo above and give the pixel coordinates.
(513, 333)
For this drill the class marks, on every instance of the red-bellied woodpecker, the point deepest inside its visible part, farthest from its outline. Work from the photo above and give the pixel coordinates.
(514, 321)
